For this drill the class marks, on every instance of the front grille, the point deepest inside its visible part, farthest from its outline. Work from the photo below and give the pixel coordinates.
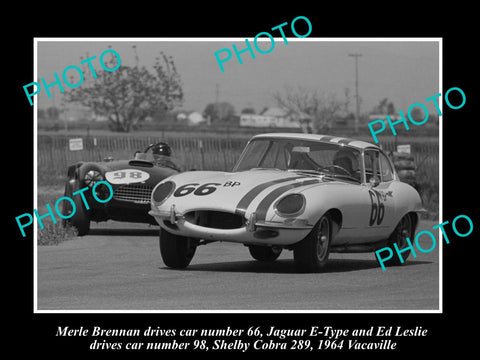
(139, 194)
(216, 219)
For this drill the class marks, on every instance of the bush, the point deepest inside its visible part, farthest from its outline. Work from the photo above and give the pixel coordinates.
(54, 234)
(427, 184)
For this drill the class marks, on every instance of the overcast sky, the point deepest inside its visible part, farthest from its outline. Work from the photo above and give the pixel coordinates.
(404, 71)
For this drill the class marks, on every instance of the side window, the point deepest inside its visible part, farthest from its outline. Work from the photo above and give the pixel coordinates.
(372, 168)
(386, 169)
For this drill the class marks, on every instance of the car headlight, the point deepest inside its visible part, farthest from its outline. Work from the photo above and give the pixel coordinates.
(92, 177)
(290, 205)
(162, 192)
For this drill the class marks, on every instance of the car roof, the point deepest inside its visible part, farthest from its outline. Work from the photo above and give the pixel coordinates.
(320, 138)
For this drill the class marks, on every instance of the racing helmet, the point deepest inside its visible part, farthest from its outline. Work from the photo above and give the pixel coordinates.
(161, 149)
(347, 159)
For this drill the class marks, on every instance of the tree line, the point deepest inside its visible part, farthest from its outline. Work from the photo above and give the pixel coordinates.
(132, 94)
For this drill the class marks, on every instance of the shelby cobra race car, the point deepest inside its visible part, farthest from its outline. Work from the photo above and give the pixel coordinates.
(132, 182)
(313, 194)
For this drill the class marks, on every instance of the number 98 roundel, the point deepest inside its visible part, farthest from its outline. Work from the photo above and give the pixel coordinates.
(126, 176)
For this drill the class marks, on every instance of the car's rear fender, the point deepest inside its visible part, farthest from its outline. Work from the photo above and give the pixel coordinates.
(72, 171)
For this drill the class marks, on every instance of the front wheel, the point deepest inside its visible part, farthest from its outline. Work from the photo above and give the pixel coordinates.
(265, 253)
(80, 218)
(311, 254)
(176, 251)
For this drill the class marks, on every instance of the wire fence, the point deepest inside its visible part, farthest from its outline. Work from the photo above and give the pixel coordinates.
(203, 152)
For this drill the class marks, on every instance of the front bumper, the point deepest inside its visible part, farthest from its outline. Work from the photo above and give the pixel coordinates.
(253, 232)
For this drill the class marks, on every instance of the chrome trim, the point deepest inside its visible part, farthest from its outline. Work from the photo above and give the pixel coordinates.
(298, 224)
(173, 218)
(251, 223)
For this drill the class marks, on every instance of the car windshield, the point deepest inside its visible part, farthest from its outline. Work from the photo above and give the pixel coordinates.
(298, 155)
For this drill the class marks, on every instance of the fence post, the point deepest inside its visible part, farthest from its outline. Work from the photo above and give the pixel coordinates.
(200, 146)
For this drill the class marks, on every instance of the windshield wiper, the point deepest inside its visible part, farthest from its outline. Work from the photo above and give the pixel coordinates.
(325, 173)
(343, 176)
(309, 171)
(266, 168)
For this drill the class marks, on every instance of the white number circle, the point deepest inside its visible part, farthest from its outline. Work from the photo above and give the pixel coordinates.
(126, 176)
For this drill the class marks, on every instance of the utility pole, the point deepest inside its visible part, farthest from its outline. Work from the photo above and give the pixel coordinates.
(217, 94)
(357, 112)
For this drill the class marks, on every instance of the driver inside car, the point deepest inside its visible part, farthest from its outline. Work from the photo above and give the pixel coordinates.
(162, 156)
(347, 160)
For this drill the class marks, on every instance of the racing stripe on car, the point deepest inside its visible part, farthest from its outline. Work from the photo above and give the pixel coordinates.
(327, 138)
(252, 194)
(336, 139)
(345, 141)
(268, 200)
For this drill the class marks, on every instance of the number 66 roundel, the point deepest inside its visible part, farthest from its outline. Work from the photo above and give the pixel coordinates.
(378, 209)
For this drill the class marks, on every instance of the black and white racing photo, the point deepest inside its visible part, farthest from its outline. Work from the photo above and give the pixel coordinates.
(265, 174)
(217, 180)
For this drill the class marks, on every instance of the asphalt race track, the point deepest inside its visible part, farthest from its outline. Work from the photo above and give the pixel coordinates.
(118, 267)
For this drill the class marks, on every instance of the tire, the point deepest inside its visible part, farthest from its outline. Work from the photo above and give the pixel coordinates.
(265, 253)
(176, 251)
(311, 254)
(80, 220)
(399, 236)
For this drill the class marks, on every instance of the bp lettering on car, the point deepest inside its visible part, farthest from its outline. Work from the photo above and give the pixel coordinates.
(312, 194)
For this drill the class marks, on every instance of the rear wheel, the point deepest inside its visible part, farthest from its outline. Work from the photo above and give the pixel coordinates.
(265, 253)
(399, 236)
(311, 254)
(176, 251)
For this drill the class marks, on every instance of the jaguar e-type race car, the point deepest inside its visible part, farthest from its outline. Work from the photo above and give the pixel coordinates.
(132, 182)
(313, 194)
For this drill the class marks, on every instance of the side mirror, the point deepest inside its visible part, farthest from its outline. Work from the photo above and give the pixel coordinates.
(374, 181)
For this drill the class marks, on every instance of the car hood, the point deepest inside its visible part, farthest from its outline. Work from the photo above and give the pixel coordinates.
(121, 171)
(123, 164)
(240, 192)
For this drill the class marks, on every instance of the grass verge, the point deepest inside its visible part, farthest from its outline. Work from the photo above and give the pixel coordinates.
(54, 234)
(51, 234)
